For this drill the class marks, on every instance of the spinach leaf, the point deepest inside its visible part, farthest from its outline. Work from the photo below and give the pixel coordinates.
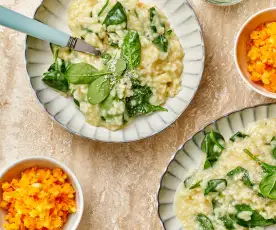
(212, 145)
(104, 7)
(139, 104)
(204, 222)
(226, 219)
(88, 30)
(55, 77)
(121, 66)
(228, 222)
(55, 51)
(169, 32)
(245, 178)
(56, 80)
(162, 43)
(236, 171)
(215, 185)
(107, 103)
(260, 195)
(152, 11)
(77, 102)
(52, 67)
(125, 117)
(60, 65)
(115, 44)
(196, 185)
(154, 29)
(186, 182)
(266, 167)
(273, 145)
(106, 57)
(131, 50)
(136, 13)
(217, 139)
(83, 73)
(268, 186)
(155, 20)
(98, 90)
(237, 136)
(215, 204)
(117, 15)
(256, 220)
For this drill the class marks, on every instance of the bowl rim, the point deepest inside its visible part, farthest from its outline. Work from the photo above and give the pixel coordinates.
(189, 139)
(245, 79)
(121, 141)
(67, 170)
(232, 3)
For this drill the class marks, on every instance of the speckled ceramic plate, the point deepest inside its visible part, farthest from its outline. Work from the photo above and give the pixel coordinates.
(64, 111)
(190, 156)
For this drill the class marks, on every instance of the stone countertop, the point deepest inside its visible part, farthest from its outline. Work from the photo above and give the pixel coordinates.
(120, 181)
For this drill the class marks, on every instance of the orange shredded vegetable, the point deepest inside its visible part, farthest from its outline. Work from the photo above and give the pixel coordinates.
(262, 56)
(40, 199)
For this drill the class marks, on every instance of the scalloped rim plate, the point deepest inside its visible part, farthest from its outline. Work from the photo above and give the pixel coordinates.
(225, 3)
(189, 157)
(38, 58)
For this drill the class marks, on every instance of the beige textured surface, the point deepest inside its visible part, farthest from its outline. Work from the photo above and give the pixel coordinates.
(120, 181)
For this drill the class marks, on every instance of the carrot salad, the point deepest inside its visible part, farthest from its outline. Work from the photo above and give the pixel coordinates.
(262, 55)
(40, 199)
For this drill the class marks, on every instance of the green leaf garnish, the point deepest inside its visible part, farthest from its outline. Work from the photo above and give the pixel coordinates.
(162, 43)
(215, 185)
(245, 178)
(83, 73)
(131, 50)
(117, 15)
(98, 90)
(104, 7)
(238, 135)
(256, 220)
(212, 145)
(204, 222)
(139, 104)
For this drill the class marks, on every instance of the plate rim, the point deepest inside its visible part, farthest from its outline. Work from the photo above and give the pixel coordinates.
(138, 138)
(189, 139)
(223, 3)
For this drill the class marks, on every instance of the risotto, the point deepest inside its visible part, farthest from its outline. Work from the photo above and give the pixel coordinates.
(235, 187)
(139, 68)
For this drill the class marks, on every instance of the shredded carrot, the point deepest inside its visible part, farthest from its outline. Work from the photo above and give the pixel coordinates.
(40, 199)
(261, 55)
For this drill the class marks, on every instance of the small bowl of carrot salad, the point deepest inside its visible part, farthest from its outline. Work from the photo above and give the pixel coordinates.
(39, 193)
(255, 52)
(262, 56)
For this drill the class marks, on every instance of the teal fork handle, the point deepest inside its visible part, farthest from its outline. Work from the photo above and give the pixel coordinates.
(19, 22)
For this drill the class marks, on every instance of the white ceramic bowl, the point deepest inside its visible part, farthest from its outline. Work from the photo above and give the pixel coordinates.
(224, 2)
(243, 36)
(63, 110)
(15, 170)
